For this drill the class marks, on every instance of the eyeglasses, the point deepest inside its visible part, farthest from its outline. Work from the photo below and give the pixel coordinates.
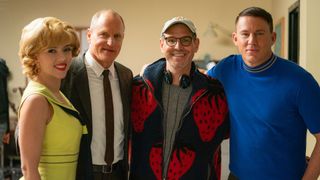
(172, 41)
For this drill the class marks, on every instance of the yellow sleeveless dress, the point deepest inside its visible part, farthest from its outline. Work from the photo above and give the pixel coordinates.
(61, 143)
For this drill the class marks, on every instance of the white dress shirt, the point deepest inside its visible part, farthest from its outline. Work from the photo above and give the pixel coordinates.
(98, 143)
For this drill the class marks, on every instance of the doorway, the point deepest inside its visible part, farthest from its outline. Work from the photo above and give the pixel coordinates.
(294, 44)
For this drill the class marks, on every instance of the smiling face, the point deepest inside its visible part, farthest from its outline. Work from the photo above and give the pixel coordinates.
(54, 62)
(254, 40)
(105, 38)
(178, 56)
(43, 35)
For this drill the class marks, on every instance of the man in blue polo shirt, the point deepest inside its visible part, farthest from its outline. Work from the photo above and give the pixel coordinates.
(272, 103)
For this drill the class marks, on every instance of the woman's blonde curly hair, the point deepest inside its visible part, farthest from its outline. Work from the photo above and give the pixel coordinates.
(41, 34)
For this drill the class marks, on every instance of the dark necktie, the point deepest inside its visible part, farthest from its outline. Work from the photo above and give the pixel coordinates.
(109, 118)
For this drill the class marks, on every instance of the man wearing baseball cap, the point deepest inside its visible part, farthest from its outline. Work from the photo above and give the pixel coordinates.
(179, 116)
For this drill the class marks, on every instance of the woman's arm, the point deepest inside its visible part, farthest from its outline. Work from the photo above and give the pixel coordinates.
(35, 113)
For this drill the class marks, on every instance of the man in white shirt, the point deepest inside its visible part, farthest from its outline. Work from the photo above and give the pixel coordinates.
(84, 86)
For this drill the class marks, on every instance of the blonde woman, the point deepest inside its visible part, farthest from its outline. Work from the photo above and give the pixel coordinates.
(49, 130)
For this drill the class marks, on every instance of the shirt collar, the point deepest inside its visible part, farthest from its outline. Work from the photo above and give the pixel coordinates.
(97, 68)
(266, 65)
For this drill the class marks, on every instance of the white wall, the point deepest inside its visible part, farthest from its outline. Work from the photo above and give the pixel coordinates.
(309, 53)
(309, 31)
(310, 38)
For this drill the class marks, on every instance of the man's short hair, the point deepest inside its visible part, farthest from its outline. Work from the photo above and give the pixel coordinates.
(257, 12)
(98, 14)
